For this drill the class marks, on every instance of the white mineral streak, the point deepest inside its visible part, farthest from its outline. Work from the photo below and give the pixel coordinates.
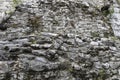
(115, 19)
(7, 6)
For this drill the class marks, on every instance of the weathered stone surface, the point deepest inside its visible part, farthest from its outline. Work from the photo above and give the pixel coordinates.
(115, 21)
(59, 40)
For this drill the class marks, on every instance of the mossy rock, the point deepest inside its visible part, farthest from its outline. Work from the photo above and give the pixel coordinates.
(95, 34)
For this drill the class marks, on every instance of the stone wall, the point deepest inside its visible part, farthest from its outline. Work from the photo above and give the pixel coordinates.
(59, 40)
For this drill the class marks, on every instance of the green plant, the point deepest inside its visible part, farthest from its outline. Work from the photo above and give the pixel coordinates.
(55, 23)
(16, 2)
(102, 75)
(95, 34)
(35, 23)
(108, 12)
(112, 10)
(114, 38)
(118, 1)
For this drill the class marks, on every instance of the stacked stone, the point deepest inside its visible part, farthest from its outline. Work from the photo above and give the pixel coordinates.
(74, 44)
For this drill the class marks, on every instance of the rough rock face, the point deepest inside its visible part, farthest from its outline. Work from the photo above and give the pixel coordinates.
(115, 18)
(59, 40)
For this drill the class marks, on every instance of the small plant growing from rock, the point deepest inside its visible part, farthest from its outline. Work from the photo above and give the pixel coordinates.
(16, 2)
(95, 34)
(35, 23)
(102, 75)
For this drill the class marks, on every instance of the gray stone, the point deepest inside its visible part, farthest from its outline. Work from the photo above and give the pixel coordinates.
(15, 49)
(98, 65)
(45, 46)
(20, 41)
(52, 66)
(63, 48)
(115, 23)
(94, 43)
(94, 59)
(49, 34)
(116, 10)
(106, 65)
(85, 4)
(35, 46)
(70, 41)
(104, 39)
(26, 50)
(4, 42)
(79, 40)
(36, 65)
(117, 54)
(113, 48)
(39, 52)
(114, 65)
(41, 59)
(26, 44)
(43, 42)
(26, 56)
(75, 66)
